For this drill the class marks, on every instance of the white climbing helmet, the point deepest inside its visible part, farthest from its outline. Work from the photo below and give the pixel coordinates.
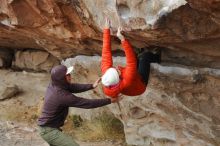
(111, 77)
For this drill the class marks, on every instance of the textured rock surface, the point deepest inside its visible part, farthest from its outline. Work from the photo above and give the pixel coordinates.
(9, 92)
(69, 27)
(180, 107)
(19, 134)
(6, 57)
(34, 60)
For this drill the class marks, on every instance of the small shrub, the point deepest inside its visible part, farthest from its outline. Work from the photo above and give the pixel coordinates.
(77, 121)
(103, 127)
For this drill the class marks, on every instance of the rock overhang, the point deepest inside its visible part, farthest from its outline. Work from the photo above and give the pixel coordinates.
(67, 28)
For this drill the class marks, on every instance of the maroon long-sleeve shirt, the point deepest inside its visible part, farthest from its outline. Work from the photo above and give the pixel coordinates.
(59, 98)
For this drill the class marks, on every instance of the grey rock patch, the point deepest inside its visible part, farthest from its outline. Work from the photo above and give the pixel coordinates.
(10, 92)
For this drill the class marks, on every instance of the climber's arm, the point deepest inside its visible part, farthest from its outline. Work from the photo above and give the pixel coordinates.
(106, 50)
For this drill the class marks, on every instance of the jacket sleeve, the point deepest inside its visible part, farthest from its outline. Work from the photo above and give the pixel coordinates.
(74, 101)
(131, 64)
(106, 51)
(77, 88)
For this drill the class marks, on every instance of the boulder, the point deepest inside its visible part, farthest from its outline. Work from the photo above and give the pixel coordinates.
(34, 60)
(9, 92)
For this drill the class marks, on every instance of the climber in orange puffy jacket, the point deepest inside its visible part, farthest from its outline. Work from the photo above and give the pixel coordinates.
(130, 80)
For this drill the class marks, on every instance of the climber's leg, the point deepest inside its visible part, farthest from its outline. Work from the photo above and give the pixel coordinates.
(144, 61)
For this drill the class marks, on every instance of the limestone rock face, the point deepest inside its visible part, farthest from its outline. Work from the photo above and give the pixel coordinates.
(132, 14)
(56, 26)
(34, 60)
(181, 106)
(69, 27)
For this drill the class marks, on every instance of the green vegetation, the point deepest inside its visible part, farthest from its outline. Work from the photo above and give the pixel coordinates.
(103, 127)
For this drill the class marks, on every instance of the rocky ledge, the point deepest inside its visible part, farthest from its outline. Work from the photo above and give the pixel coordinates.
(188, 31)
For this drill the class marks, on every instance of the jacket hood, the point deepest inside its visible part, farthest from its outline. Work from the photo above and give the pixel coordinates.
(58, 76)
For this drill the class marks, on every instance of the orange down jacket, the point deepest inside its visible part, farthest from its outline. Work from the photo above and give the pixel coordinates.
(130, 83)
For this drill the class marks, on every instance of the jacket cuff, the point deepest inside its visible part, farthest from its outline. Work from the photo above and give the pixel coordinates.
(91, 86)
(109, 101)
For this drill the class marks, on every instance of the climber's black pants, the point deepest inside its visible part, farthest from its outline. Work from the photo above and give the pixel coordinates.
(143, 64)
